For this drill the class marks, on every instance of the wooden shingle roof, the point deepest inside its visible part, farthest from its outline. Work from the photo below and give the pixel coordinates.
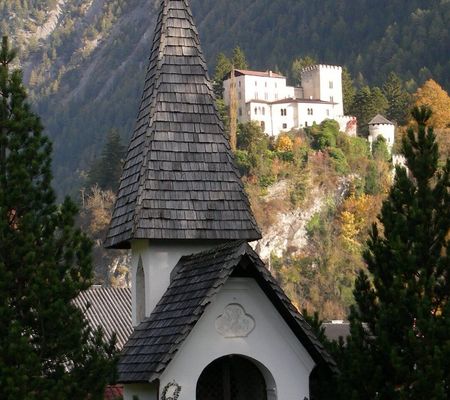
(179, 179)
(380, 120)
(195, 282)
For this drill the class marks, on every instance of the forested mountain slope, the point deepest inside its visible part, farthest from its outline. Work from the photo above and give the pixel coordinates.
(84, 60)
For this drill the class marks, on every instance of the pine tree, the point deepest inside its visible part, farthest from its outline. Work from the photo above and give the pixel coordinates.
(106, 172)
(223, 68)
(297, 67)
(348, 91)
(400, 327)
(47, 350)
(398, 99)
(238, 59)
(367, 104)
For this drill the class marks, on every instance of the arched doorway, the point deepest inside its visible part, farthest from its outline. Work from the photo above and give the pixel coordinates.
(231, 378)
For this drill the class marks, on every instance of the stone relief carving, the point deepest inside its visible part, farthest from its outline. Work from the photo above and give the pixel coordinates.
(235, 322)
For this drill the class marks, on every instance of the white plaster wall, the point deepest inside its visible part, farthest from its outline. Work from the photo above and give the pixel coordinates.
(271, 343)
(259, 116)
(289, 119)
(385, 130)
(142, 391)
(319, 113)
(331, 73)
(158, 259)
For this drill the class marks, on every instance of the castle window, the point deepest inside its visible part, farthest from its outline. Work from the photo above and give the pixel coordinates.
(276, 96)
(284, 126)
(256, 95)
(265, 84)
(256, 83)
(331, 99)
(263, 126)
(266, 96)
(312, 111)
(276, 85)
(256, 111)
(330, 84)
(306, 123)
(264, 111)
(283, 112)
(328, 113)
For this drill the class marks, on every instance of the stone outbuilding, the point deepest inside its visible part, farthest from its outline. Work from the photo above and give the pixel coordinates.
(209, 320)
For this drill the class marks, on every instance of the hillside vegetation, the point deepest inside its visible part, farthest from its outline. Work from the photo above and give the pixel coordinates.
(86, 68)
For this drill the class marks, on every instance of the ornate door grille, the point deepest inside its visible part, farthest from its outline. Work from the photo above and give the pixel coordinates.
(231, 378)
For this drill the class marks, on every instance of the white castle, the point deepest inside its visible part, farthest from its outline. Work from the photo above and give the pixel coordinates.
(265, 97)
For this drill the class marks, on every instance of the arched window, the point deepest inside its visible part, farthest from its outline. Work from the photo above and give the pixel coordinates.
(231, 378)
(140, 292)
(256, 111)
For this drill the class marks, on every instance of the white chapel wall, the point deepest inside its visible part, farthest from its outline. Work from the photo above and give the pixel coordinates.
(271, 343)
(158, 260)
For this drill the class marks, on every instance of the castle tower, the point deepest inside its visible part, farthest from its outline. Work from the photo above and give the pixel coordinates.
(203, 302)
(380, 126)
(324, 82)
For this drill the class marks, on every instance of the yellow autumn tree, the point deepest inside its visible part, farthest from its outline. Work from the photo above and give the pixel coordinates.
(284, 143)
(431, 94)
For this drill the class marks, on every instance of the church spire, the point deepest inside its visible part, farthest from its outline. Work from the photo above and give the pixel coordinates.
(179, 179)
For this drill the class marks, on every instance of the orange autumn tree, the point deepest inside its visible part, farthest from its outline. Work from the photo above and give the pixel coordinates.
(432, 95)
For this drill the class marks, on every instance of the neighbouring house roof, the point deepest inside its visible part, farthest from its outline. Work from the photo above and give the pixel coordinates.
(264, 74)
(109, 308)
(113, 392)
(195, 282)
(380, 120)
(179, 179)
(335, 330)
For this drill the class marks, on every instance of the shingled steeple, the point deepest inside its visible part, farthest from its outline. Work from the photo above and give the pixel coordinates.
(179, 179)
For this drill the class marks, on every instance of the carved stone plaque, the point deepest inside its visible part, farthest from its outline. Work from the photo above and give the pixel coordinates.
(235, 322)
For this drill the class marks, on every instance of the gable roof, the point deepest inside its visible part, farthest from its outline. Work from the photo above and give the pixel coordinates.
(179, 179)
(109, 308)
(380, 120)
(264, 74)
(195, 281)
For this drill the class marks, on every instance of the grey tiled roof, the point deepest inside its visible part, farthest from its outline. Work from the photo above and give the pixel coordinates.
(195, 281)
(179, 179)
(379, 119)
(109, 308)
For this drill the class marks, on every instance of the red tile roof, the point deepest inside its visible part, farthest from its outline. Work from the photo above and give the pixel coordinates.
(266, 74)
(113, 392)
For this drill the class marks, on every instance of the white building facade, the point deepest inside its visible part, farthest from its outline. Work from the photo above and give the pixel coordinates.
(265, 97)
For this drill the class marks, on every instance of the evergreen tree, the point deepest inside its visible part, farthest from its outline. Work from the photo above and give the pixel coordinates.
(348, 90)
(223, 68)
(367, 104)
(380, 150)
(47, 350)
(106, 172)
(398, 99)
(239, 60)
(400, 327)
(297, 67)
